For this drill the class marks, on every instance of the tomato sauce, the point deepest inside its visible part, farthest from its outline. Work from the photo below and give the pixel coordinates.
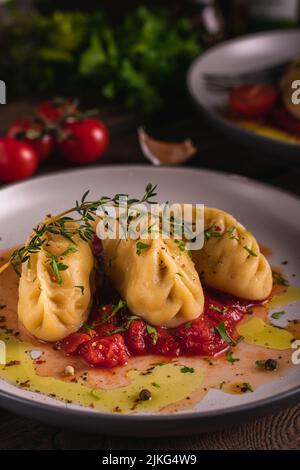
(109, 338)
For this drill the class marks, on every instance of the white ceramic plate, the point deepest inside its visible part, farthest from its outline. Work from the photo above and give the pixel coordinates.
(243, 55)
(271, 214)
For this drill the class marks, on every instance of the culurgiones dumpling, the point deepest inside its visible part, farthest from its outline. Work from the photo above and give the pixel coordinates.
(53, 305)
(159, 282)
(230, 259)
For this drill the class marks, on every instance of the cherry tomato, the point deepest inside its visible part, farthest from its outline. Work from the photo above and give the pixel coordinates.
(253, 101)
(18, 160)
(86, 141)
(43, 143)
(52, 111)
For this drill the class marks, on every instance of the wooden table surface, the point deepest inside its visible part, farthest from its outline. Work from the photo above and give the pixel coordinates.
(279, 431)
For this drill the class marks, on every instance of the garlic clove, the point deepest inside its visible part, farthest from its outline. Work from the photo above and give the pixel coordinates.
(165, 153)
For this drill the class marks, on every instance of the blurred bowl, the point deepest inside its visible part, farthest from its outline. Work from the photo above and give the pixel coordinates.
(243, 55)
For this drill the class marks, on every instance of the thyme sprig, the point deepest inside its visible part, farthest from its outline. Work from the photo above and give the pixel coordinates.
(60, 224)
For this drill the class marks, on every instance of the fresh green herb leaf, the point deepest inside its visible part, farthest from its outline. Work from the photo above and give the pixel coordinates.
(186, 370)
(268, 364)
(141, 246)
(247, 387)
(95, 393)
(250, 252)
(279, 280)
(224, 334)
(215, 308)
(230, 358)
(152, 331)
(211, 232)
(156, 385)
(62, 266)
(181, 244)
(260, 362)
(56, 266)
(277, 315)
(240, 338)
(222, 385)
(60, 225)
(120, 305)
(86, 328)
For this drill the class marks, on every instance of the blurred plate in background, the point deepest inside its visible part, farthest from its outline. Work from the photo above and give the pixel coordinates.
(239, 56)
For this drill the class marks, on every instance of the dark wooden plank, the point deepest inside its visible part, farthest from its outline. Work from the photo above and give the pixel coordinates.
(278, 431)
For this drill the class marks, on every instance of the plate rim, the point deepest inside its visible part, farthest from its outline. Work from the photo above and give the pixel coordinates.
(140, 166)
(259, 407)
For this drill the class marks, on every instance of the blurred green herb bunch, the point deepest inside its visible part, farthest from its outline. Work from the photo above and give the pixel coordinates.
(139, 62)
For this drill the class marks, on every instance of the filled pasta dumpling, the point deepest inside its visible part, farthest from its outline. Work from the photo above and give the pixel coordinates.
(230, 259)
(157, 278)
(55, 287)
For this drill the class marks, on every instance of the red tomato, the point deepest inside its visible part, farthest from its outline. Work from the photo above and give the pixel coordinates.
(43, 144)
(71, 343)
(18, 160)
(52, 111)
(253, 101)
(86, 141)
(165, 344)
(105, 352)
(135, 337)
(105, 330)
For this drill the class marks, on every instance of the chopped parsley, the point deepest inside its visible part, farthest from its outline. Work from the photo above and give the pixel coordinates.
(186, 370)
(215, 308)
(156, 385)
(181, 244)
(124, 328)
(152, 331)
(211, 232)
(221, 328)
(229, 357)
(95, 394)
(141, 246)
(279, 280)
(120, 305)
(267, 364)
(247, 387)
(277, 315)
(222, 385)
